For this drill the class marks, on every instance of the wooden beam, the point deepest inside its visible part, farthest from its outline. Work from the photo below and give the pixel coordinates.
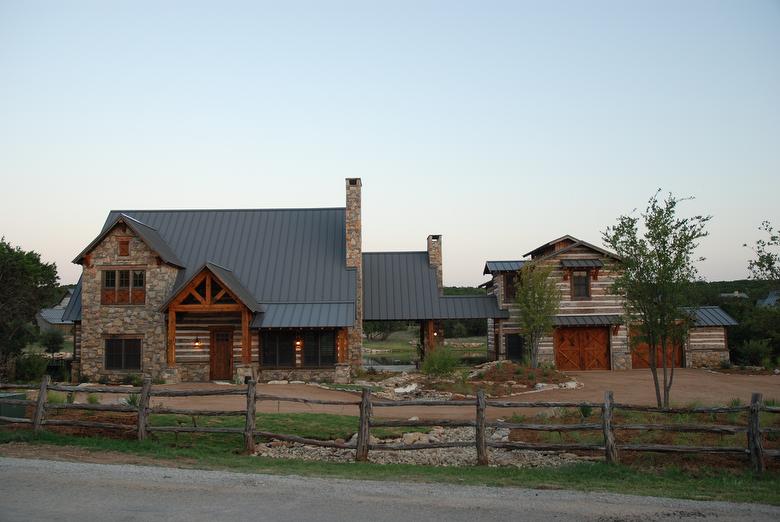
(207, 308)
(246, 340)
(171, 337)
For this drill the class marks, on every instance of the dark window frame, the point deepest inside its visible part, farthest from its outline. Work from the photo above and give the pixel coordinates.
(132, 294)
(274, 343)
(573, 277)
(126, 359)
(510, 291)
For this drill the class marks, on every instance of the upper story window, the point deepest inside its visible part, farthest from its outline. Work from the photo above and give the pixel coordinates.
(580, 284)
(124, 247)
(123, 287)
(510, 278)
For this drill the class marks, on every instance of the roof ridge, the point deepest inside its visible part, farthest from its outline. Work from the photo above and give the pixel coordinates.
(398, 252)
(223, 210)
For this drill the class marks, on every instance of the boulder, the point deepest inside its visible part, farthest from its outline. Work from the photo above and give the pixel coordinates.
(278, 382)
(570, 385)
(416, 438)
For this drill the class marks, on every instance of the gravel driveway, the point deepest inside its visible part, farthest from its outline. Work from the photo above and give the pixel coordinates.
(39, 490)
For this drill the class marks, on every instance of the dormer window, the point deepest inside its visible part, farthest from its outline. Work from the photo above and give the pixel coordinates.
(124, 247)
(580, 284)
(123, 287)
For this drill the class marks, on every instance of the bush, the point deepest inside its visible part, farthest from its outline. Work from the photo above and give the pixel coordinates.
(30, 367)
(54, 397)
(441, 361)
(51, 340)
(586, 411)
(92, 398)
(133, 379)
(133, 399)
(753, 352)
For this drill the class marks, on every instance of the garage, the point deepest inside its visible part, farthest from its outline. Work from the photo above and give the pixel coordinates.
(581, 348)
(640, 356)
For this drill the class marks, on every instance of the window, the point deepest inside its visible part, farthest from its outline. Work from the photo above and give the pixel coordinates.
(123, 287)
(580, 285)
(509, 286)
(319, 349)
(515, 348)
(124, 247)
(123, 354)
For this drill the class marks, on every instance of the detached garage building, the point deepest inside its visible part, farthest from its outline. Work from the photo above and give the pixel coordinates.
(589, 331)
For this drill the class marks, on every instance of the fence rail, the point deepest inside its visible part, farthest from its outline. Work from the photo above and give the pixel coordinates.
(611, 448)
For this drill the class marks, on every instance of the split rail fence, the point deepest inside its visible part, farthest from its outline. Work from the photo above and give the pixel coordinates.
(610, 447)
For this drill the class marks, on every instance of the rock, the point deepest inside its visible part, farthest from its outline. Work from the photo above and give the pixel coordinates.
(542, 386)
(413, 419)
(510, 383)
(415, 438)
(339, 441)
(777, 371)
(277, 444)
(500, 434)
(277, 382)
(570, 385)
(297, 382)
(458, 396)
(406, 389)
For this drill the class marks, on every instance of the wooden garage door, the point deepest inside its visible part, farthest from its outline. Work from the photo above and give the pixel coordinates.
(640, 356)
(581, 348)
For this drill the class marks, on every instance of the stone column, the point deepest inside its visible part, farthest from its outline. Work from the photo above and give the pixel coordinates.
(434, 258)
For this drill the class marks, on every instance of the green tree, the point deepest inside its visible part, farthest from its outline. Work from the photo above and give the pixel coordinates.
(26, 285)
(538, 299)
(766, 265)
(52, 340)
(657, 272)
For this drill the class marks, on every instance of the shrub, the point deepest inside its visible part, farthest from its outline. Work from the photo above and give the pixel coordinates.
(92, 398)
(441, 361)
(30, 367)
(54, 397)
(725, 364)
(133, 379)
(133, 399)
(51, 340)
(158, 380)
(585, 411)
(103, 379)
(753, 352)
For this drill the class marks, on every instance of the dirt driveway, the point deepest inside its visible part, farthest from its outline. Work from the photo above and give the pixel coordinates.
(633, 387)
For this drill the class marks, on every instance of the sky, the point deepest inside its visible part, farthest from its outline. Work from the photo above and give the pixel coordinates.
(500, 125)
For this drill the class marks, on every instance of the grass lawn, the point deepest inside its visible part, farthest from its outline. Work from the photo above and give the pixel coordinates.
(207, 451)
(397, 350)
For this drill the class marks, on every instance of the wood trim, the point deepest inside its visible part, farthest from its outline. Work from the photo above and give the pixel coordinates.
(571, 286)
(171, 352)
(246, 340)
(208, 308)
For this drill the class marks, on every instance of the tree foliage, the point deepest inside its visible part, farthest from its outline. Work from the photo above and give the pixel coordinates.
(657, 271)
(538, 299)
(766, 265)
(26, 285)
(52, 340)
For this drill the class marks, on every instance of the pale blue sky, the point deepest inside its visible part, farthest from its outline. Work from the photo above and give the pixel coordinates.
(500, 125)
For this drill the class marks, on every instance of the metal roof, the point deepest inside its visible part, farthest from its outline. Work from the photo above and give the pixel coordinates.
(305, 315)
(275, 255)
(402, 286)
(73, 310)
(711, 316)
(502, 266)
(53, 316)
(575, 242)
(227, 278)
(581, 263)
(587, 320)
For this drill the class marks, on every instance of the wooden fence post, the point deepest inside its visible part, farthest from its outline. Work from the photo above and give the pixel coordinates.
(249, 427)
(610, 448)
(143, 407)
(364, 434)
(41, 404)
(755, 445)
(479, 432)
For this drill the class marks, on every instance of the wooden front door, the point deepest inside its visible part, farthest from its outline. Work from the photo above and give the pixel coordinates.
(581, 348)
(221, 355)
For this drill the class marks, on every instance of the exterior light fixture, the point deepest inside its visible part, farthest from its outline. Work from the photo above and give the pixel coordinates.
(197, 342)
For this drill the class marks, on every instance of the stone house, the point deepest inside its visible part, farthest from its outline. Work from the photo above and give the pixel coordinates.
(198, 295)
(590, 332)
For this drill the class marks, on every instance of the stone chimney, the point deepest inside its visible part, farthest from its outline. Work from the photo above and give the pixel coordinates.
(354, 240)
(434, 258)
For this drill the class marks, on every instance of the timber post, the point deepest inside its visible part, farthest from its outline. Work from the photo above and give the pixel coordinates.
(143, 407)
(610, 448)
(364, 434)
(755, 445)
(479, 432)
(249, 426)
(40, 406)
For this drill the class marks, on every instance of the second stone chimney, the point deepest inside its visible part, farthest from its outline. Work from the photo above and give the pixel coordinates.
(354, 243)
(434, 258)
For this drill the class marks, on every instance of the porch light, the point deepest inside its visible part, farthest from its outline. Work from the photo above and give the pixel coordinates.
(435, 334)
(298, 344)
(197, 342)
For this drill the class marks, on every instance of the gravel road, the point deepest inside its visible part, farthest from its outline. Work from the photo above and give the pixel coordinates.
(32, 490)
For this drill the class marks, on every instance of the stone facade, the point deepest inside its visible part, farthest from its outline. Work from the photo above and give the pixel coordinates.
(435, 258)
(707, 347)
(299, 374)
(144, 321)
(354, 243)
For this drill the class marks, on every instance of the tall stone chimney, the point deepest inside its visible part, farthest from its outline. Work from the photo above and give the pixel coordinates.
(354, 237)
(434, 258)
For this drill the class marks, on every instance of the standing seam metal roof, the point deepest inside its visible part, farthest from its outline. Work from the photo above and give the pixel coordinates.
(73, 310)
(502, 266)
(402, 286)
(710, 316)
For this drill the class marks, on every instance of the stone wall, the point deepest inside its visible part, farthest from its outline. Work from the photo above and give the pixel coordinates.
(298, 374)
(707, 347)
(143, 321)
(435, 258)
(354, 259)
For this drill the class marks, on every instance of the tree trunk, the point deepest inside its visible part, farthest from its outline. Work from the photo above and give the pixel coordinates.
(665, 363)
(653, 354)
